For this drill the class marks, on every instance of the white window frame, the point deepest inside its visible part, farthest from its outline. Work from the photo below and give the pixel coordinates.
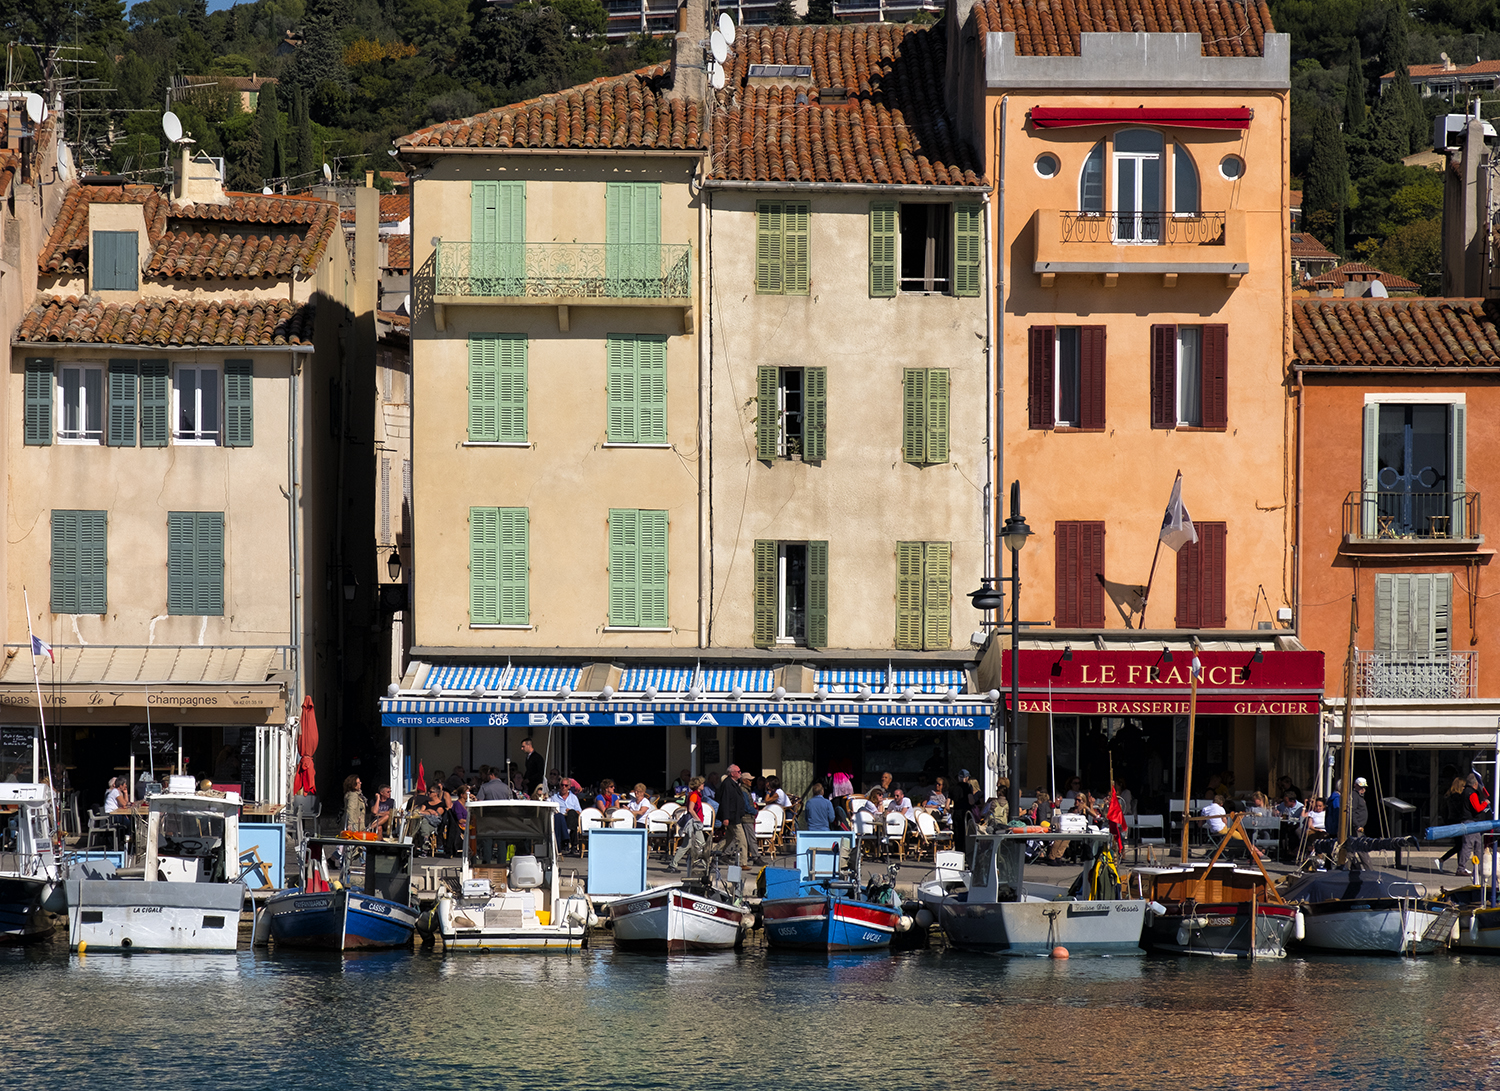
(197, 437)
(82, 437)
(1184, 335)
(782, 636)
(1075, 362)
(783, 415)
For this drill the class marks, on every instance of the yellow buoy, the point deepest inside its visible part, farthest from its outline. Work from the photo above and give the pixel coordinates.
(82, 947)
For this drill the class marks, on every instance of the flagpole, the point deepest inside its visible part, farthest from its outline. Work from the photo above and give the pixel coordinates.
(40, 715)
(1187, 773)
(1140, 622)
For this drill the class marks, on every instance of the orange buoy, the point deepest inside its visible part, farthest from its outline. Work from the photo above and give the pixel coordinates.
(1059, 952)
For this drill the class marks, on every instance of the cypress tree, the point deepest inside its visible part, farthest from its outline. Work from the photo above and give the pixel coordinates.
(1326, 187)
(268, 122)
(1354, 94)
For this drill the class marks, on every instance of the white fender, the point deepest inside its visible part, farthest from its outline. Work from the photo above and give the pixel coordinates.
(260, 935)
(445, 914)
(903, 924)
(1184, 934)
(1453, 932)
(1474, 924)
(1299, 929)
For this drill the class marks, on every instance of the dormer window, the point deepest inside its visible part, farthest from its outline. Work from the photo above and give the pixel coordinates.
(81, 392)
(114, 259)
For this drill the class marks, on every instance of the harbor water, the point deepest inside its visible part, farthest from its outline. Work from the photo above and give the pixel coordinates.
(751, 1019)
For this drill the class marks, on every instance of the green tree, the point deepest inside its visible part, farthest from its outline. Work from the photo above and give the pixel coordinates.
(819, 12)
(1326, 188)
(785, 15)
(1389, 133)
(321, 58)
(1395, 55)
(1354, 94)
(1416, 253)
(268, 129)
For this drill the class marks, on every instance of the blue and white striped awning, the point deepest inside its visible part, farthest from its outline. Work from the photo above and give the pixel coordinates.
(662, 679)
(749, 681)
(927, 681)
(850, 681)
(453, 677)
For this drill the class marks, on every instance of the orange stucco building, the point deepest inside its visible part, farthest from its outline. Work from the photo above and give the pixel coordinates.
(1140, 243)
(1394, 463)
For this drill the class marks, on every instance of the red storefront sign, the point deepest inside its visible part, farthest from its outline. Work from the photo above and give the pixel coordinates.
(1144, 683)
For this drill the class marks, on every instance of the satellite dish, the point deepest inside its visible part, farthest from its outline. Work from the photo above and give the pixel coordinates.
(716, 78)
(719, 46)
(726, 28)
(172, 126)
(36, 109)
(266, 191)
(327, 174)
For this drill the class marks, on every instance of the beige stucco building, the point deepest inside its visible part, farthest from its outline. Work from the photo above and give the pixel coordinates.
(175, 481)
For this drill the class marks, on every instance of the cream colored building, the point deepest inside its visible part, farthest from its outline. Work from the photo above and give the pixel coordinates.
(174, 481)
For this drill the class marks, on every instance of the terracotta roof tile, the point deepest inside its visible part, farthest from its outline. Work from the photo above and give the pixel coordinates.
(1050, 28)
(167, 320)
(249, 236)
(629, 111)
(1307, 247)
(397, 252)
(1340, 275)
(893, 130)
(1458, 333)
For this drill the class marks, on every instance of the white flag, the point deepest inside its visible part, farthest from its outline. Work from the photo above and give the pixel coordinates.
(1177, 528)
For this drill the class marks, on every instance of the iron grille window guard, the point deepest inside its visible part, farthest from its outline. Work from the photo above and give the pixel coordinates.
(564, 270)
(1402, 676)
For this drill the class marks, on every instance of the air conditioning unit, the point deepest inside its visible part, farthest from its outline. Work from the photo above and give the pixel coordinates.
(1448, 131)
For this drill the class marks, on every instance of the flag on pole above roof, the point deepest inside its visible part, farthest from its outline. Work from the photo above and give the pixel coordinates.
(1177, 528)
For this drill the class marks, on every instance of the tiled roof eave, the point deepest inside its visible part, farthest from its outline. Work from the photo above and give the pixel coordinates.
(980, 186)
(437, 151)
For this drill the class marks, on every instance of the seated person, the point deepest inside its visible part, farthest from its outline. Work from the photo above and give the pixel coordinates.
(639, 803)
(1290, 808)
(875, 802)
(1213, 816)
(899, 802)
(936, 798)
(432, 814)
(382, 811)
(774, 794)
(1258, 806)
(607, 799)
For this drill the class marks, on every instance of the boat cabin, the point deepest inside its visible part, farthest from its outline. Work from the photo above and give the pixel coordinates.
(997, 862)
(379, 868)
(496, 826)
(193, 837)
(29, 841)
(1205, 883)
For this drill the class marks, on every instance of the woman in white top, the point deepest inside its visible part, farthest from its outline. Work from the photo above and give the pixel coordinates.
(774, 794)
(115, 798)
(639, 804)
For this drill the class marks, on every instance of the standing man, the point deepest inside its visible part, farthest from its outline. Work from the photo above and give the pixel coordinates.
(1476, 809)
(1359, 816)
(747, 823)
(534, 770)
(494, 788)
(732, 807)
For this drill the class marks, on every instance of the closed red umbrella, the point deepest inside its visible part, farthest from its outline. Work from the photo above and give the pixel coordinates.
(421, 785)
(305, 782)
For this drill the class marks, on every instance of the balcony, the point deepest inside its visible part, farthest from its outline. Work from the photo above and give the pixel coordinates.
(1444, 676)
(563, 275)
(1153, 243)
(1426, 523)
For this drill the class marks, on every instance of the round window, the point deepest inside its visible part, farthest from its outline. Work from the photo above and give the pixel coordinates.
(1232, 167)
(1047, 165)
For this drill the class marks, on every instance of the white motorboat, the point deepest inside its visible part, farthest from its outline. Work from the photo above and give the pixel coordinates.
(518, 907)
(1370, 912)
(989, 909)
(687, 916)
(29, 870)
(189, 895)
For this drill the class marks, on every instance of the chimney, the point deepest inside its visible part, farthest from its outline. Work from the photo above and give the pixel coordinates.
(198, 180)
(369, 179)
(689, 76)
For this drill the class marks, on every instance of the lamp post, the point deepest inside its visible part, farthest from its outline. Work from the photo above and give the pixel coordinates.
(1014, 533)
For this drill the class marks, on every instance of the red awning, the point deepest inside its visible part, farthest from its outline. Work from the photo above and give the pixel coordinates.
(1073, 117)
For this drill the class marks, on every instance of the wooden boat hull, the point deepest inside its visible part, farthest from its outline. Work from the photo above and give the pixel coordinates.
(137, 915)
(1032, 928)
(1222, 930)
(22, 918)
(339, 920)
(828, 923)
(675, 920)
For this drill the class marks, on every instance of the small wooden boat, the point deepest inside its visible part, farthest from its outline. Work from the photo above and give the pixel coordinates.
(1369, 912)
(190, 894)
(29, 873)
(518, 907)
(989, 909)
(1215, 907)
(807, 909)
(356, 896)
(693, 915)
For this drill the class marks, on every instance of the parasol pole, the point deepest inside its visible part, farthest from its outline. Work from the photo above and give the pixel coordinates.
(41, 717)
(1187, 772)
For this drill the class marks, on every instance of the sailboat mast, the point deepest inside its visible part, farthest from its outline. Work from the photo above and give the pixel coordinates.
(1187, 772)
(1346, 777)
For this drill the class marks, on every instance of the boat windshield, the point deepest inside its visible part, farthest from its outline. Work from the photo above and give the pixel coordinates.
(194, 834)
(388, 876)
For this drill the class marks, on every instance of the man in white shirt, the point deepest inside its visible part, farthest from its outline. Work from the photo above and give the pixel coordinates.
(899, 802)
(1214, 814)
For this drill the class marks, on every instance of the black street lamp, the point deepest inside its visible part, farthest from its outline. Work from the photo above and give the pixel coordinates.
(1014, 533)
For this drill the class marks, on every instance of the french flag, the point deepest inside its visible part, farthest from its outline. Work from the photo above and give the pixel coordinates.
(41, 647)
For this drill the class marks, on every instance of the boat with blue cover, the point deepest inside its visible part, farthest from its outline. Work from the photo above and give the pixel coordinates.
(821, 906)
(356, 896)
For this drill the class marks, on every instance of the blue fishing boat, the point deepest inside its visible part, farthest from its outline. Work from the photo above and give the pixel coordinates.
(821, 906)
(356, 896)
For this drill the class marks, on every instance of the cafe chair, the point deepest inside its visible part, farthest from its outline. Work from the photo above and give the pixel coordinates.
(931, 838)
(102, 824)
(621, 819)
(766, 830)
(659, 830)
(590, 818)
(1265, 833)
(868, 830)
(896, 827)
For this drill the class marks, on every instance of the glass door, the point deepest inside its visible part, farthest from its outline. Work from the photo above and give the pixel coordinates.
(1138, 186)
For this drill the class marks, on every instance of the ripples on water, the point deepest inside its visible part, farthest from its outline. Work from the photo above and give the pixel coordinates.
(608, 1020)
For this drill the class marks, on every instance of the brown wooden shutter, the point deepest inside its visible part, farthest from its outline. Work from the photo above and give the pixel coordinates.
(1163, 376)
(1216, 376)
(1065, 612)
(1039, 398)
(1201, 579)
(1090, 568)
(1091, 376)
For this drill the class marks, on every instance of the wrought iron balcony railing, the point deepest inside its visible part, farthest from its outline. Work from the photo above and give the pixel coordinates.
(1144, 228)
(1400, 676)
(1395, 516)
(552, 271)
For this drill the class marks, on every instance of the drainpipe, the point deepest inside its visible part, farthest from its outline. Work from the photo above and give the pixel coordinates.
(1297, 512)
(294, 535)
(997, 344)
(705, 545)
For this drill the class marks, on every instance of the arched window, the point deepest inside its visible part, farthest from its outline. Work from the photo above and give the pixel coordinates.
(1138, 185)
(1091, 181)
(1184, 182)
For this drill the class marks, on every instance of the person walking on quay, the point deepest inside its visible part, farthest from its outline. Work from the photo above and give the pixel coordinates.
(1451, 810)
(534, 770)
(747, 821)
(962, 797)
(689, 821)
(733, 805)
(1476, 809)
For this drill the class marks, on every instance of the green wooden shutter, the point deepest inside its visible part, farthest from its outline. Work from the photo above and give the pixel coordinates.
(1459, 473)
(484, 237)
(622, 411)
(651, 389)
(909, 596)
(102, 260)
(1385, 612)
(239, 403)
(195, 562)
(968, 248)
(817, 594)
(795, 249)
(484, 566)
(510, 223)
(1440, 626)
(514, 566)
(632, 238)
(766, 558)
(937, 594)
(113, 260)
(913, 415)
(814, 413)
(38, 398)
(155, 391)
(210, 548)
(484, 388)
(93, 562)
(624, 567)
(767, 413)
(653, 569)
(65, 562)
(882, 249)
(935, 423)
(769, 237)
(1369, 477)
(120, 425)
(510, 388)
